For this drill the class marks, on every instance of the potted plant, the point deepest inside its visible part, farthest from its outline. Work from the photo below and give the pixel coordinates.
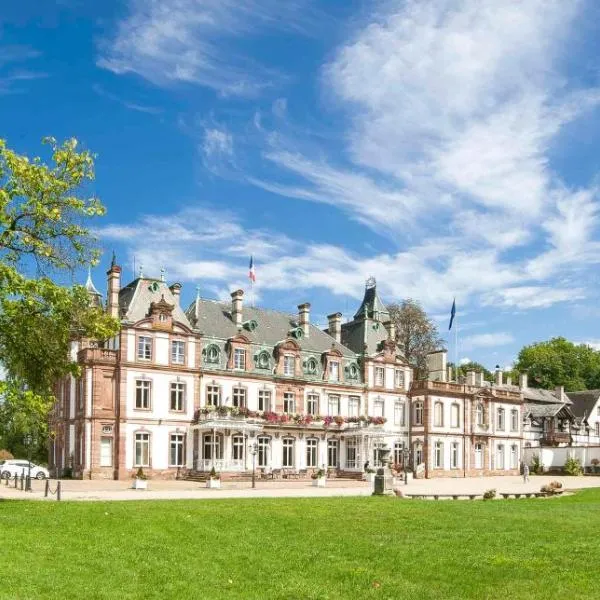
(140, 481)
(596, 465)
(319, 478)
(214, 480)
(370, 474)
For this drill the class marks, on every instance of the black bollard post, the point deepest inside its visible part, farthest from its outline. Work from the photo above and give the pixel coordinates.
(28, 484)
(16, 481)
(22, 481)
(58, 490)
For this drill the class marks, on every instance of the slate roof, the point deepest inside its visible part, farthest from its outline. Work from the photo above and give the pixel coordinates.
(533, 394)
(135, 299)
(273, 326)
(373, 304)
(547, 410)
(584, 402)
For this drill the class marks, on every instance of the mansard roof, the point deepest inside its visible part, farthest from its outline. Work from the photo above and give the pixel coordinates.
(372, 304)
(584, 402)
(136, 297)
(273, 327)
(536, 395)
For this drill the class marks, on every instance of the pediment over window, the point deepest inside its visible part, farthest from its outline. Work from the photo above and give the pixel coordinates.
(239, 338)
(288, 345)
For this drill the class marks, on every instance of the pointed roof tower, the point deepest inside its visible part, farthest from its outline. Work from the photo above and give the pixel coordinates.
(372, 306)
(95, 295)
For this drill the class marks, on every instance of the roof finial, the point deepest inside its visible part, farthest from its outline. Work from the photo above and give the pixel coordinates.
(370, 283)
(162, 273)
(141, 271)
(113, 262)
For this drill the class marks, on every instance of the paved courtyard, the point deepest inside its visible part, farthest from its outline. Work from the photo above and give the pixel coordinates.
(171, 490)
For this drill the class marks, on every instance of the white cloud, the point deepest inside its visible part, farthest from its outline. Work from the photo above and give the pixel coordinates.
(486, 340)
(526, 297)
(194, 41)
(217, 141)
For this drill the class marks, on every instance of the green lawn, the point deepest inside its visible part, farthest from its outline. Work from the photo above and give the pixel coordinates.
(302, 548)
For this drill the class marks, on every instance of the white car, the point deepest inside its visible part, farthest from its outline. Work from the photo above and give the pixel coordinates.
(10, 468)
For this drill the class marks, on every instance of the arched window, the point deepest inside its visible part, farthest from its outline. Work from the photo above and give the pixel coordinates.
(212, 354)
(263, 360)
(478, 456)
(501, 419)
(311, 366)
(312, 445)
(438, 414)
(454, 415)
(500, 456)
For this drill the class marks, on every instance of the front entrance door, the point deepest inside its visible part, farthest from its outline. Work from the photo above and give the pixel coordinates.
(478, 456)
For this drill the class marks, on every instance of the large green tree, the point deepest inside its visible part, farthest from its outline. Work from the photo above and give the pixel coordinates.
(416, 333)
(560, 362)
(44, 230)
(473, 366)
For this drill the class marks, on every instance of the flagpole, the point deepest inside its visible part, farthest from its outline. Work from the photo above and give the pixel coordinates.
(456, 348)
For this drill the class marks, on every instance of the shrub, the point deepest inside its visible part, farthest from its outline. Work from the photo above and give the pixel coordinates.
(489, 495)
(140, 474)
(318, 474)
(573, 467)
(594, 461)
(214, 474)
(536, 466)
(6, 455)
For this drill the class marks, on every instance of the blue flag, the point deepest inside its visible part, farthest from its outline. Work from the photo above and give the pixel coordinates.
(452, 314)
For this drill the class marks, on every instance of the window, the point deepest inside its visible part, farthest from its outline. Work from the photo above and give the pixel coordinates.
(353, 371)
(289, 402)
(176, 448)
(311, 366)
(212, 354)
(478, 456)
(334, 370)
(479, 414)
(80, 391)
(438, 414)
(333, 406)
(144, 348)
(377, 446)
(178, 352)
(378, 408)
(106, 452)
(237, 447)
(177, 396)
(264, 444)
(418, 454)
(263, 360)
(288, 452)
(379, 376)
(162, 318)
(454, 455)
(213, 446)
(239, 359)
(351, 454)
(514, 457)
(501, 423)
(398, 453)
(333, 447)
(500, 456)
(142, 450)
(312, 404)
(514, 420)
(213, 395)
(239, 397)
(597, 426)
(353, 406)
(418, 418)
(311, 452)
(288, 365)
(142, 394)
(399, 378)
(264, 400)
(399, 416)
(438, 455)
(454, 415)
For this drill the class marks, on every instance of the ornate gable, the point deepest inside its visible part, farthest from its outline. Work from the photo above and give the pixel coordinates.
(161, 314)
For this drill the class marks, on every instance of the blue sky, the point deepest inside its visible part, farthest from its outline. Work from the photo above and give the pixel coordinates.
(446, 147)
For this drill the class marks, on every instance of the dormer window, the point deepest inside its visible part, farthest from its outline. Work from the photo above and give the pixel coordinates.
(145, 348)
(162, 318)
(334, 370)
(288, 365)
(379, 376)
(262, 360)
(311, 366)
(239, 359)
(399, 378)
(212, 354)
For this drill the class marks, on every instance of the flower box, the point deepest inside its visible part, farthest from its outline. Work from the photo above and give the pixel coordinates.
(370, 477)
(140, 484)
(319, 481)
(213, 484)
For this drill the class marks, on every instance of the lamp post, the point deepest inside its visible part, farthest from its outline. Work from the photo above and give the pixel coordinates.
(28, 443)
(253, 449)
(406, 457)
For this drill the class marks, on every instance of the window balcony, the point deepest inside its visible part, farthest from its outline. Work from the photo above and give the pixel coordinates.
(555, 437)
(97, 355)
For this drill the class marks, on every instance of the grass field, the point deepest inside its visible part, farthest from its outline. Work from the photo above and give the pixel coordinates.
(302, 548)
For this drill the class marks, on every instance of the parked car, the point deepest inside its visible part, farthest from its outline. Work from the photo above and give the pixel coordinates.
(10, 468)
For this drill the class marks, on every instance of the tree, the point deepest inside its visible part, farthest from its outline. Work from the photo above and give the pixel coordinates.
(43, 231)
(473, 366)
(560, 362)
(416, 334)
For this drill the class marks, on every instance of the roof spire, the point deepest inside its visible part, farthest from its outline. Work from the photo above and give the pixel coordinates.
(141, 275)
(113, 261)
(162, 273)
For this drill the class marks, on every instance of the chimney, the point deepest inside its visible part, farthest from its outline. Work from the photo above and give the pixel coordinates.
(509, 380)
(449, 376)
(498, 375)
(113, 286)
(559, 392)
(391, 329)
(304, 317)
(471, 378)
(335, 326)
(479, 379)
(436, 365)
(523, 380)
(236, 307)
(176, 291)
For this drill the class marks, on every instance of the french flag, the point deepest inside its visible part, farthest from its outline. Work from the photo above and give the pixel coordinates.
(252, 271)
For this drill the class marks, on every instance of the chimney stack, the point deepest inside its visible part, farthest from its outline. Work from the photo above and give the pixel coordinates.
(236, 307)
(335, 326)
(479, 379)
(471, 378)
(523, 383)
(113, 287)
(391, 329)
(176, 291)
(304, 317)
(560, 393)
(437, 367)
(499, 375)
